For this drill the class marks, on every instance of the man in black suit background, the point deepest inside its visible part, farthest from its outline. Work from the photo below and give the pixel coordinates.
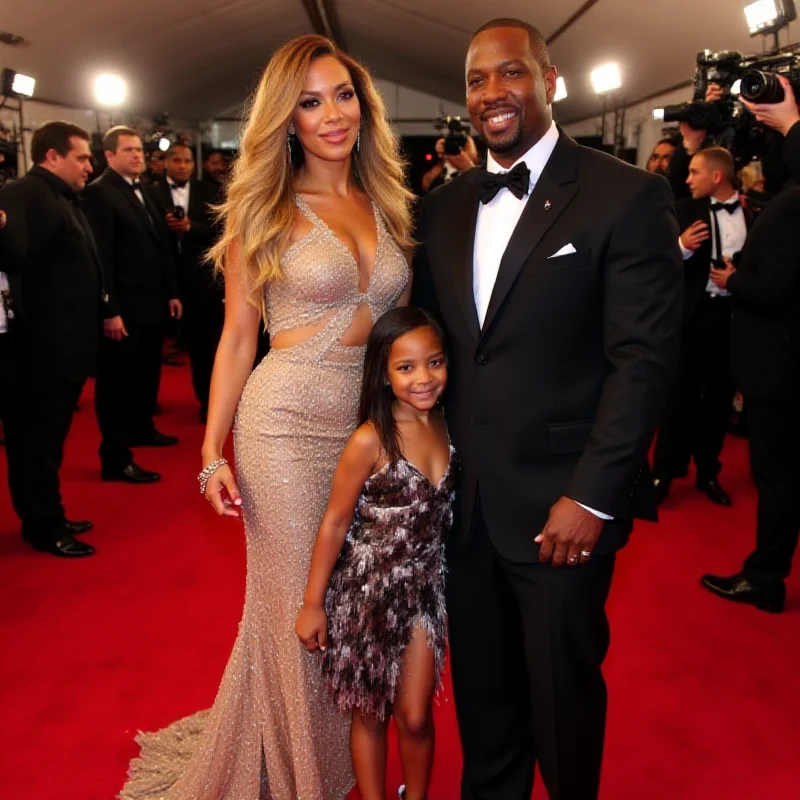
(559, 286)
(714, 225)
(185, 203)
(765, 353)
(142, 286)
(53, 314)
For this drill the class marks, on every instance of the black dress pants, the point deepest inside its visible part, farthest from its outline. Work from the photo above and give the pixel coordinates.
(700, 402)
(527, 642)
(126, 391)
(202, 327)
(774, 429)
(37, 408)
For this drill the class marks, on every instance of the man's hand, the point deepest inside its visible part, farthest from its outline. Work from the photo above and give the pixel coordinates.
(692, 139)
(569, 534)
(114, 328)
(178, 225)
(780, 116)
(720, 276)
(3, 219)
(714, 93)
(175, 308)
(694, 235)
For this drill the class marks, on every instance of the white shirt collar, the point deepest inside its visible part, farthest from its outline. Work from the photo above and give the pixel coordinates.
(536, 158)
(732, 199)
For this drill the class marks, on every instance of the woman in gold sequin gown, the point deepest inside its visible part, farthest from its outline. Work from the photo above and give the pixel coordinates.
(317, 221)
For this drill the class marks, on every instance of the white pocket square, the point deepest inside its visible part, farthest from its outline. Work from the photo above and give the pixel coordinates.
(564, 251)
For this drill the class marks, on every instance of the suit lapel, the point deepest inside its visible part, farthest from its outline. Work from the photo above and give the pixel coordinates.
(141, 212)
(464, 218)
(550, 197)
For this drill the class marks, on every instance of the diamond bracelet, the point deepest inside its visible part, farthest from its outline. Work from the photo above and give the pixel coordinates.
(208, 471)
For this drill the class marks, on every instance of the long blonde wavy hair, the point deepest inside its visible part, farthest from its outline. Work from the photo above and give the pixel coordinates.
(259, 210)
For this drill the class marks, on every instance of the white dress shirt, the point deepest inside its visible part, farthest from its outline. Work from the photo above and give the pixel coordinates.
(137, 190)
(498, 218)
(732, 234)
(3, 288)
(496, 222)
(180, 195)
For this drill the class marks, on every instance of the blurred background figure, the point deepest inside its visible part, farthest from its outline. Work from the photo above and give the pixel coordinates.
(661, 156)
(215, 167)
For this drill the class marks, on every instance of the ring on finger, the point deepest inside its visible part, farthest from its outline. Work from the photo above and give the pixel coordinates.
(586, 553)
(572, 560)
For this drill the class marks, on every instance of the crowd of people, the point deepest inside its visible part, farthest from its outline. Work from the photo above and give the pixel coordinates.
(480, 405)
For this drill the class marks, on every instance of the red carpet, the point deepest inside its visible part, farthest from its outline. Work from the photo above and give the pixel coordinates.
(704, 694)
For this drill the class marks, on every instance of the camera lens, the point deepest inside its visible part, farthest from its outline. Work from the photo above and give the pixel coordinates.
(761, 87)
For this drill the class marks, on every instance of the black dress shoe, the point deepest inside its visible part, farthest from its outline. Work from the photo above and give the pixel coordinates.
(76, 528)
(714, 492)
(133, 473)
(661, 489)
(154, 439)
(65, 547)
(740, 590)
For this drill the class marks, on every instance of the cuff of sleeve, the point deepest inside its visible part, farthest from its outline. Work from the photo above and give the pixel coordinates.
(686, 253)
(594, 511)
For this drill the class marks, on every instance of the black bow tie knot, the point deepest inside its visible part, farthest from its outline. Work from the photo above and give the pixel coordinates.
(729, 207)
(177, 184)
(136, 185)
(517, 181)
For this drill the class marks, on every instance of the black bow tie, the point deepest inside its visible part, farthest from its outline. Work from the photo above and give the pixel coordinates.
(177, 184)
(729, 207)
(136, 185)
(516, 181)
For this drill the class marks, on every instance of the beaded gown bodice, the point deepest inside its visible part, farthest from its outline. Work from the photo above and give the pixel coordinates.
(321, 280)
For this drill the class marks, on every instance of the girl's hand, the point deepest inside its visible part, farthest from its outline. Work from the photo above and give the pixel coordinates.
(312, 628)
(223, 493)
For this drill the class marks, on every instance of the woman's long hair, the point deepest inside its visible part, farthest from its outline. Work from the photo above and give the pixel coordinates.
(259, 210)
(377, 398)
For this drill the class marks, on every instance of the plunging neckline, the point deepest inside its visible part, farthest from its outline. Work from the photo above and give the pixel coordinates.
(437, 485)
(318, 222)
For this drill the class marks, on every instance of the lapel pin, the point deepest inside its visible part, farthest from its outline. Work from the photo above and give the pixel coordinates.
(547, 205)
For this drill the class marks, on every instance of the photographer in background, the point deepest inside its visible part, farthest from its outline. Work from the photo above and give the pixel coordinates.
(185, 203)
(782, 117)
(765, 354)
(661, 156)
(449, 165)
(678, 168)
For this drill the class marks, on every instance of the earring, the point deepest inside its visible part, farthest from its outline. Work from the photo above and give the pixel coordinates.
(289, 145)
(358, 140)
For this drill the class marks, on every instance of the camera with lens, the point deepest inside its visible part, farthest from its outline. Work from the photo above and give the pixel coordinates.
(456, 139)
(179, 212)
(728, 123)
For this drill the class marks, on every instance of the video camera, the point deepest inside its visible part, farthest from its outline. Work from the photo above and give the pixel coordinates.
(728, 122)
(457, 131)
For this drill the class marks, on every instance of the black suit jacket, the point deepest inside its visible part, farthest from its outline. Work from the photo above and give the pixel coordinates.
(698, 266)
(48, 251)
(765, 330)
(135, 249)
(197, 281)
(561, 390)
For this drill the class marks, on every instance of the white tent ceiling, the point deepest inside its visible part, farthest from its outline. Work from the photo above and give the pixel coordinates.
(197, 59)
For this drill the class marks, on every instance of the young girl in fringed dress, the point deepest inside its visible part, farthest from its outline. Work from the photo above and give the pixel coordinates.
(374, 601)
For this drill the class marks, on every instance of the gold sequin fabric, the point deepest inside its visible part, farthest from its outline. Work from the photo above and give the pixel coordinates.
(273, 732)
(388, 580)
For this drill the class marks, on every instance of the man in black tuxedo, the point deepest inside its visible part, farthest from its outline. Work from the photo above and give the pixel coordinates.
(714, 225)
(142, 286)
(53, 312)
(559, 286)
(765, 354)
(185, 203)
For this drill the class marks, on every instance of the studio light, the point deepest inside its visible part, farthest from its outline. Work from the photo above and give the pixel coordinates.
(561, 90)
(769, 16)
(606, 78)
(15, 84)
(658, 113)
(110, 90)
